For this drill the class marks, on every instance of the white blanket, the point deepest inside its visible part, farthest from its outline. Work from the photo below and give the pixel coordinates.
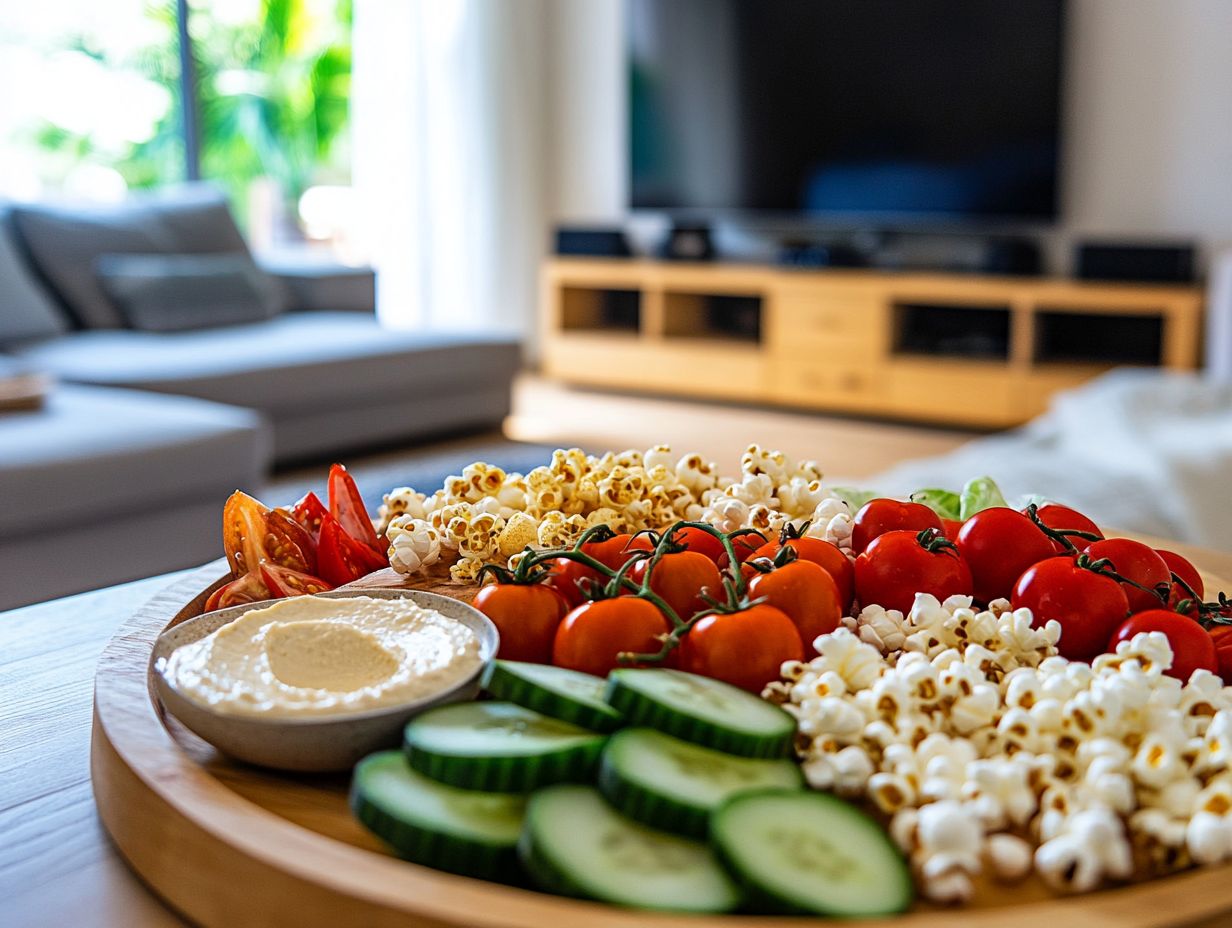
(1140, 450)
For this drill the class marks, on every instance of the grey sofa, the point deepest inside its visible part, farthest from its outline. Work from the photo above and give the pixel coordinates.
(179, 384)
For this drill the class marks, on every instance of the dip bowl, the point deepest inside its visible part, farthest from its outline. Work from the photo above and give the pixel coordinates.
(321, 743)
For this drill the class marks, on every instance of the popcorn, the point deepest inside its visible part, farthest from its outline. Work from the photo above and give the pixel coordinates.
(413, 544)
(1091, 847)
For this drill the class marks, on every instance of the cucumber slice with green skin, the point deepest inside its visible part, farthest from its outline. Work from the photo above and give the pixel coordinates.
(499, 747)
(804, 852)
(466, 832)
(705, 711)
(568, 695)
(675, 785)
(575, 844)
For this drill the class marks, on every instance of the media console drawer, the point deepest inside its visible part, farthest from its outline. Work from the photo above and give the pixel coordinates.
(834, 325)
(826, 383)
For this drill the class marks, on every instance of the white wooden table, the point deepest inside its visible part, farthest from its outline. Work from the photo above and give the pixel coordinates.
(57, 867)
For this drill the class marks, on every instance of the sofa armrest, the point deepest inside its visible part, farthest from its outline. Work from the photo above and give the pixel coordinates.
(322, 285)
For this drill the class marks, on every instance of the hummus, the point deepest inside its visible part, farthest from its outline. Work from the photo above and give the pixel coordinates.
(313, 656)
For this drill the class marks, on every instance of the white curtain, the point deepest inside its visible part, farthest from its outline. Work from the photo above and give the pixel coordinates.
(449, 158)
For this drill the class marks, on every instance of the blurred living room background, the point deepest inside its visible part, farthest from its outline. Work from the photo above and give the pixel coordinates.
(241, 238)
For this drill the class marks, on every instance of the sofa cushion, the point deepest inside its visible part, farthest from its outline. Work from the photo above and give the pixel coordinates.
(65, 241)
(26, 311)
(93, 453)
(174, 293)
(292, 363)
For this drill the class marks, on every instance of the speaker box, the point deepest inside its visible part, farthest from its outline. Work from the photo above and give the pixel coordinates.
(592, 243)
(1171, 264)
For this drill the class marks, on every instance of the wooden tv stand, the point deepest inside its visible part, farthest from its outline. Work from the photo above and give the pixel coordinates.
(971, 350)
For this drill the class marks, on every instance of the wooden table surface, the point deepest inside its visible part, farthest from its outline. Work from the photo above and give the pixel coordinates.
(56, 864)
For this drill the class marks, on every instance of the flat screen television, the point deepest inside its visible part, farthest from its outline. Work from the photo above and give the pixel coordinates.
(869, 110)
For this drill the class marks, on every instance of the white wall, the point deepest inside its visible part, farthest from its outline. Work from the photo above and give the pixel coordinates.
(1148, 117)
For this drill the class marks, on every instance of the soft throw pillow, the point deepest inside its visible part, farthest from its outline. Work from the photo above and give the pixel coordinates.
(26, 311)
(65, 241)
(172, 293)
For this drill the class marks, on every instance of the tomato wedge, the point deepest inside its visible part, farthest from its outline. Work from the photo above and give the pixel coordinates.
(347, 506)
(308, 512)
(283, 581)
(340, 558)
(249, 588)
(252, 533)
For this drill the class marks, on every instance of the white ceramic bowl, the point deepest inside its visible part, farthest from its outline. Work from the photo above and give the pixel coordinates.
(313, 744)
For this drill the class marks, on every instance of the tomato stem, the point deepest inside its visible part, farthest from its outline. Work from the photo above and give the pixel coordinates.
(932, 541)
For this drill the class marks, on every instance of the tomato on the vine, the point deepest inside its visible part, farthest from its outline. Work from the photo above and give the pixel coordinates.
(573, 580)
(682, 579)
(1138, 563)
(1221, 635)
(1090, 606)
(824, 554)
(615, 551)
(878, 516)
(700, 541)
(526, 615)
(899, 564)
(745, 546)
(592, 636)
(806, 593)
(998, 544)
(744, 648)
(1064, 519)
(1192, 645)
(1183, 568)
(951, 527)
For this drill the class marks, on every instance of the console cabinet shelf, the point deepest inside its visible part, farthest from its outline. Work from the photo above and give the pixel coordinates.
(986, 352)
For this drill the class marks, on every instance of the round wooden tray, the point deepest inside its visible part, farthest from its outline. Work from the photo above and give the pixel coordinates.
(226, 844)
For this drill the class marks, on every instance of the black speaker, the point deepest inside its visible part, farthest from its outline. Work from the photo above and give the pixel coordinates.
(688, 243)
(1163, 264)
(592, 243)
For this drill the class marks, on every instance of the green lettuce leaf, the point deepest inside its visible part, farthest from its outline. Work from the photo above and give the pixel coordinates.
(945, 503)
(979, 494)
(854, 498)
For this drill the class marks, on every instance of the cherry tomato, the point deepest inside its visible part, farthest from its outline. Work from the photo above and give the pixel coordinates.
(682, 579)
(248, 588)
(897, 565)
(591, 636)
(526, 615)
(347, 506)
(745, 648)
(701, 541)
(283, 581)
(825, 555)
(308, 512)
(252, 533)
(1221, 635)
(1064, 519)
(1187, 572)
(1089, 606)
(1137, 562)
(618, 549)
(951, 527)
(573, 581)
(998, 544)
(744, 547)
(341, 558)
(1192, 646)
(878, 516)
(806, 593)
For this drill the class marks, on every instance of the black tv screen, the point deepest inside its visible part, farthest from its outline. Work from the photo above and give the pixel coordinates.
(864, 109)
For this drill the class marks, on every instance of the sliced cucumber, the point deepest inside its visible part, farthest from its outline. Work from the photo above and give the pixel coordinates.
(462, 831)
(675, 785)
(500, 747)
(699, 709)
(574, 843)
(797, 851)
(563, 694)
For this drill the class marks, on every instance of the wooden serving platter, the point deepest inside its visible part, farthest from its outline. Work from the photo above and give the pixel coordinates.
(226, 844)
